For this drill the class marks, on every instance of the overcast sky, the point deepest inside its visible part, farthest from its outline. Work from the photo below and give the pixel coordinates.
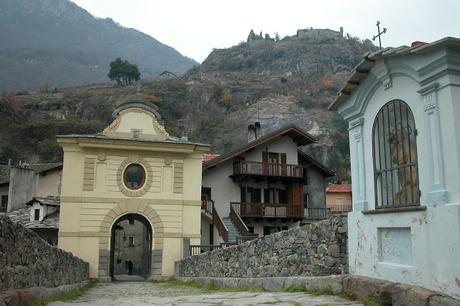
(195, 27)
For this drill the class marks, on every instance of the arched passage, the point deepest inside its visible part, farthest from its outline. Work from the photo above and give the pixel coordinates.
(131, 247)
(131, 206)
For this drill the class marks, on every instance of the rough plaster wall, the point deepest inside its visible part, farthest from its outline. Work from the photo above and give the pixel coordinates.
(315, 188)
(49, 184)
(23, 183)
(28, 261)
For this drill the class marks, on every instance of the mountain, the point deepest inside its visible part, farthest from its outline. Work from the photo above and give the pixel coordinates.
(276, 82)
(55, 43)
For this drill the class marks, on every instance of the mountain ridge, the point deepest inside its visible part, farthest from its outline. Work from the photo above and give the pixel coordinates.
(59, 42)
(214, 104)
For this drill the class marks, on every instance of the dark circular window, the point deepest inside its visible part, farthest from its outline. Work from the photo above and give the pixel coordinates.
(134, 176)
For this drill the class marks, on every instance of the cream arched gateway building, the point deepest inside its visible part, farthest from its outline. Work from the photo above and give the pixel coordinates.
(130, 199)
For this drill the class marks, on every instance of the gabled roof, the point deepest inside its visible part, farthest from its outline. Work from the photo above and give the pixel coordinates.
(339, 188)
(49, 201)
(22, 216)
(319, 165)
(297, 134)
(361, 71)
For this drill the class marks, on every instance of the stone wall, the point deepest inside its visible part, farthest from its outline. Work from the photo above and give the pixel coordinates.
(311, 250)
(26, 260)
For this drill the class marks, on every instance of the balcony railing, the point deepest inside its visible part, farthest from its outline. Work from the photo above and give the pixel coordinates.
(340, 208)
(242, 167)
(219, 224)
(208, 206)
(241, 226)
(266, 210)
(314, 213)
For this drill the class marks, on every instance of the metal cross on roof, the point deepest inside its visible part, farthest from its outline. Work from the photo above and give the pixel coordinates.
(379, 34)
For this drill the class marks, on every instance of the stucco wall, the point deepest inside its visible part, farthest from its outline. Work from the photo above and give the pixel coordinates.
(28, 261)
(315, 249)
(49, 184)
(22, 187)
(171, 204)
(427, 242)
(315, 187)
(223, 189)
(331, 200)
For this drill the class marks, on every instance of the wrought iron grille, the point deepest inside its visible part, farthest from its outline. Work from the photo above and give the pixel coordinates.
(395, 157)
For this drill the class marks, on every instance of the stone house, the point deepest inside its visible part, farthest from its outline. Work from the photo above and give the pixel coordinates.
(30, 196)
(403, 109)
(133, 170)
(338, 198)
(262, 187)
(41, 215)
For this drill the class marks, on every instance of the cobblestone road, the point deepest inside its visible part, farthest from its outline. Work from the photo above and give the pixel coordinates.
(146, 293)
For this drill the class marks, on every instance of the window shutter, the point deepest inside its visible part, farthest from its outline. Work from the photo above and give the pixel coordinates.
(243, 194)
(266, 196)
(283, 158)
(265, 157)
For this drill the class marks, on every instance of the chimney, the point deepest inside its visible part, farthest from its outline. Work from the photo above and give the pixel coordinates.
(258, 129)
(251, 133)
(416, 44)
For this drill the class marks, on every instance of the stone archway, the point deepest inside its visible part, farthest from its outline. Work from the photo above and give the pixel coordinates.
(130, 248)
(131, 206)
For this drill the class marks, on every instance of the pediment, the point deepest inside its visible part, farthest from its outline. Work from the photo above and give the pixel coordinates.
(136, 123)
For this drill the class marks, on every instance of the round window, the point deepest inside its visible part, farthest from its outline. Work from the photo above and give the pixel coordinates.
(134, 176)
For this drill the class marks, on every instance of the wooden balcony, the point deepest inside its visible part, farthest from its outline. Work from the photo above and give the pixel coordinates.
(317, 213)
(266, 210)
(340, 208)
(242, 167)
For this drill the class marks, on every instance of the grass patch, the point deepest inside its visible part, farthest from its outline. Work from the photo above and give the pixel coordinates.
(66, 296)
(210, 287)
(193, 284)
(370, 302)
(367, 301)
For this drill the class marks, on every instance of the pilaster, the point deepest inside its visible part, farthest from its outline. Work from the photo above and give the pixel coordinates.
(436, 191)
(360, 202)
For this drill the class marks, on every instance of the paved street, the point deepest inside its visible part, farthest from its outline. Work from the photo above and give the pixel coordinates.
(146, 293)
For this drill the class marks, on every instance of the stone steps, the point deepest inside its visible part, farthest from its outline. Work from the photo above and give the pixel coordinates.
(232, 230)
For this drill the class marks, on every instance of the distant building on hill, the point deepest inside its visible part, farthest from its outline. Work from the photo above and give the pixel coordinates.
(168, 75)
(315, 34)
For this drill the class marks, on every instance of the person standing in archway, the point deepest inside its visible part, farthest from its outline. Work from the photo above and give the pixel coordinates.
(130, 267)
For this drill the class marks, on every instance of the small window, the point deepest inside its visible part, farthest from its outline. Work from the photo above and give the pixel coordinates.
(136, 133)
(134, 176)
(4, 202)
(395, 156)
(131, 241)
(37, 214)
(131, 221)
(306, 200)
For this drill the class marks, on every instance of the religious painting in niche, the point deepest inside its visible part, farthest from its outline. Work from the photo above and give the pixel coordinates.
(395, 156)
(134, 176)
